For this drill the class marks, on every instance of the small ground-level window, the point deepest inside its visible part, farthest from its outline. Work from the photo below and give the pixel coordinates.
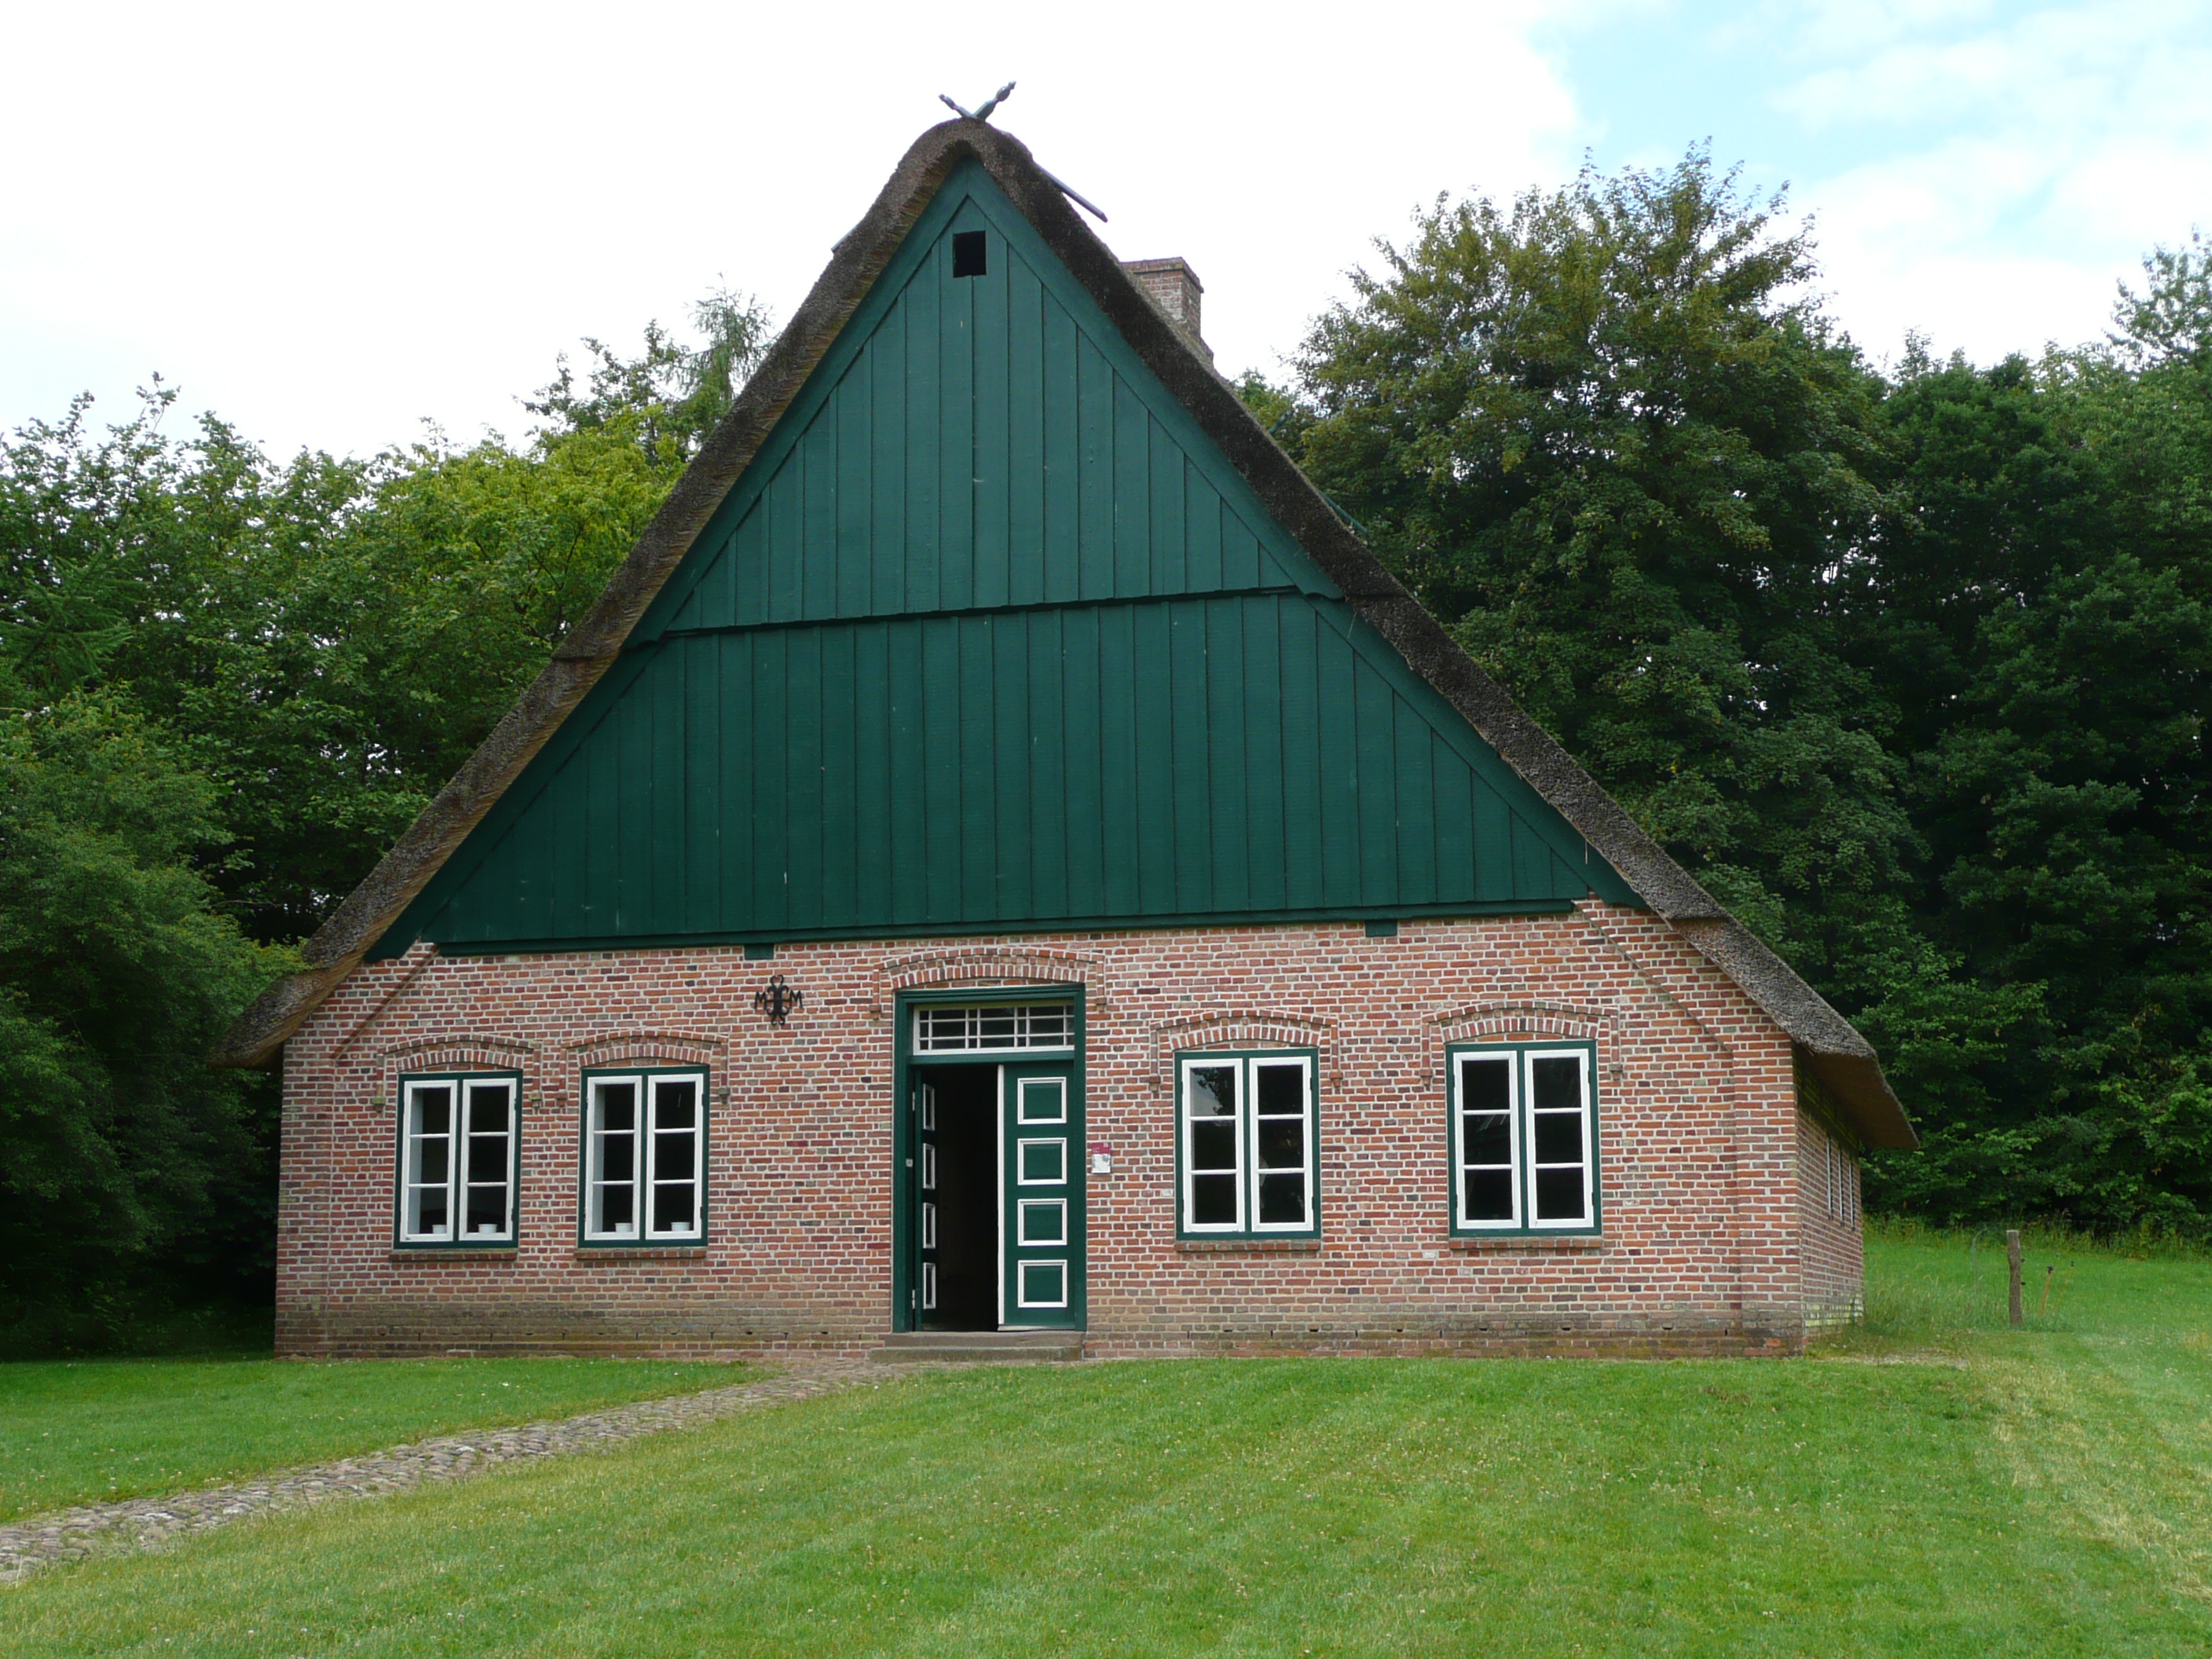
(645, 1157)
(458, 1153)
(1523, 1139)
(1246, 1138)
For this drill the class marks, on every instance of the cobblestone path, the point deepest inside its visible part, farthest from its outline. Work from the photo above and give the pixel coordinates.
(148, 1522)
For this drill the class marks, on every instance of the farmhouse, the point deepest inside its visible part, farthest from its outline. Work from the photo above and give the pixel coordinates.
(1003, 864)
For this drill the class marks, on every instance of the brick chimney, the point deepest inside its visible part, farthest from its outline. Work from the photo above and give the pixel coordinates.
(1175, 288)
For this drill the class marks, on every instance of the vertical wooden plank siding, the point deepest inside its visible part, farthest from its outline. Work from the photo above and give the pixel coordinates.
(1171, 759)
(989, 637)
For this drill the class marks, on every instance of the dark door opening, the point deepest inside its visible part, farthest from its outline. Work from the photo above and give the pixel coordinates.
(959, 1198)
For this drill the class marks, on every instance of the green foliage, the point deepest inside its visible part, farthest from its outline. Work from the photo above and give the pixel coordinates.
(117, 973)
(1910, 671)
(228, 684)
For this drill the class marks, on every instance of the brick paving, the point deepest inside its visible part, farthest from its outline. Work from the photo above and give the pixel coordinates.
(143, 1523)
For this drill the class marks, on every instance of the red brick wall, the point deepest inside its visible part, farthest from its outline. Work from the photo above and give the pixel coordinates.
(1833, 1241)
(1706, 1235)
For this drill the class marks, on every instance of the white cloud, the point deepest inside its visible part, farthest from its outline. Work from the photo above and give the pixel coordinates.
(327, 222)
(2021, 161)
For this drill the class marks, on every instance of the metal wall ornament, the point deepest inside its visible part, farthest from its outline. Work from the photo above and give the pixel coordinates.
(777, 999)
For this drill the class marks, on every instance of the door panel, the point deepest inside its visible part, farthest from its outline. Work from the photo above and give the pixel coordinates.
(1041, 1226)
(925, 1200)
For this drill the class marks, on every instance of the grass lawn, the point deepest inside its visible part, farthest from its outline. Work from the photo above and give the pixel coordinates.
(2037, 1493)
(75, 1432)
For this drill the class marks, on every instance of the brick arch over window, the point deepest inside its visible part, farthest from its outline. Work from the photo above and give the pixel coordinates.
(1241, 1027)
(1568, 1021)
(605, 1049)
(671, 1047)
(989, 965)
(459, 1053)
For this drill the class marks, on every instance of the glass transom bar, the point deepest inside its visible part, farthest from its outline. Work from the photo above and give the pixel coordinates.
(993, 1028)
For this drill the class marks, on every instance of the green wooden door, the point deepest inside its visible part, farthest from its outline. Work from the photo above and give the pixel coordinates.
(1040, 1222)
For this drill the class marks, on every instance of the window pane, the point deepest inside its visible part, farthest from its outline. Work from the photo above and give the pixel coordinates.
(1212, 1092)
(430, 1166)
(1282, 1090)
(1559, 1195)
(428, 1204)
(673, 1156)
(487, 1159)
(1558, 1084)
(1214, 1199)
(1282, 1142)
(672, 1208)
(1213, 1145)
(487, 1109)
(1489, 1194)
(617, 1105)
(434, 1109)
(616, 1211)
(487, 1209)
(1011, 1026)
(676, 1105)
(617, 1156)
(1486, 1138)
(1283, 1199)
(1485, 1085)
(1558, 1137)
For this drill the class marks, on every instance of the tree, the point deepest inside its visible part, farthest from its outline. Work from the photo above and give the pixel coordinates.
(1604, 433)
(227, 685)
(130, 1165)
(1911, 672)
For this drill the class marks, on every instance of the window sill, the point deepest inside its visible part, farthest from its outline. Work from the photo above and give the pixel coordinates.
(452, 1252)
(641, 1253)
(1247, 1246)
(1522, 1243)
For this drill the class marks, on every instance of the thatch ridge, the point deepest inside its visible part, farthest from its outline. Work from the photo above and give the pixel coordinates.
(1844, 1062)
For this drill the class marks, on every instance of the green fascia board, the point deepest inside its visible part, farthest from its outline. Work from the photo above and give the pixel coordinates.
(968, 195)
(1086, 925)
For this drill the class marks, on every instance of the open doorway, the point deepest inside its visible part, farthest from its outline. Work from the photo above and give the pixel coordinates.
(959, 1198)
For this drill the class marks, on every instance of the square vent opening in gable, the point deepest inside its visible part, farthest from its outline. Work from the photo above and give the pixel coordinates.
(968, 255)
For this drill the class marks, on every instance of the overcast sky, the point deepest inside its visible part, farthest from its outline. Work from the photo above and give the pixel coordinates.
(332, 222)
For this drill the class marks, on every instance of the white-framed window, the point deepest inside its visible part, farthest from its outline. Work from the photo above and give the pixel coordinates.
(458, 1153)
(1245, 1135)
(644, 1157)
(993, 1028)
(1523, 1138)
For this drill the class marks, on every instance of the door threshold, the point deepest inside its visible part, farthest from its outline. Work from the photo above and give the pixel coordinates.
(1006, 1346)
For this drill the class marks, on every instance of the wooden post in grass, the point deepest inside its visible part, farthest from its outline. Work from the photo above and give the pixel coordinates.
(2012, 1259)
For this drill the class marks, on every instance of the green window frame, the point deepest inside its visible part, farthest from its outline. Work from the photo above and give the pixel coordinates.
(642, 1156)
(1247, 1132)
(458, 1167)
(1523, 1139)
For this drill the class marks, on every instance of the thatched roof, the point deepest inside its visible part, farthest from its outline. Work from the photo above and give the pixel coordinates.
(1842, 1059)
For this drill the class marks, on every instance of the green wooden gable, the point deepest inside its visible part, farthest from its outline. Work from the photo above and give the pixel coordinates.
(991, 637)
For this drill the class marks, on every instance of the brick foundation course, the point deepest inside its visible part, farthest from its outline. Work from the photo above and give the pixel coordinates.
(1717, 1232)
